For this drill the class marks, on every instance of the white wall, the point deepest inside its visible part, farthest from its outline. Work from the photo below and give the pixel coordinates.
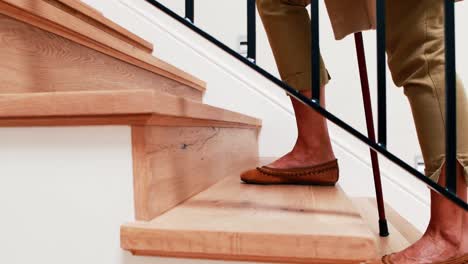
(65, 191)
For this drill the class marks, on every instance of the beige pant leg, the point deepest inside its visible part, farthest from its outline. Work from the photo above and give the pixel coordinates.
(415, 48)
(287, 25)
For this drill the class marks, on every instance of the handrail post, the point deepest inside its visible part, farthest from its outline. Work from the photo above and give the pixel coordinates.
(190, 10)
(315, 52)
(381, 74)
(451, 94)
(251, 31)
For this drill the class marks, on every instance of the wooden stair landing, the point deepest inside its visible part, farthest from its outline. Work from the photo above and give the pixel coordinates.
(235, 221)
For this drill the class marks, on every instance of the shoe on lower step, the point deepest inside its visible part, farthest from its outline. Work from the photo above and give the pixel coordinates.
(325, 174)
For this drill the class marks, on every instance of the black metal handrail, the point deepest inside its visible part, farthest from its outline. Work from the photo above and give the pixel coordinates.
(450, 191)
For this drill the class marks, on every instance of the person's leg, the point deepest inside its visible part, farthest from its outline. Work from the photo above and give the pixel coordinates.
(415, 47)
(446, 236)
(287, 24)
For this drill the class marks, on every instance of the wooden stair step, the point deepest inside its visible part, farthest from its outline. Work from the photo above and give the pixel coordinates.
(88, 15)
(402, 233)
(235, 221)
(62, 38)
(134, 107)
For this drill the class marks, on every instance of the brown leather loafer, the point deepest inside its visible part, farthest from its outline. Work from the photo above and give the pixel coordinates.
(325, 174)
(460, 260)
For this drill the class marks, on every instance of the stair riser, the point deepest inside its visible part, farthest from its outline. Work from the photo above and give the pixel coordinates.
(39, 61)
(171, 164)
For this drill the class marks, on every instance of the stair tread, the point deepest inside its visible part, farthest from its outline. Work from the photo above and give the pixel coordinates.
(402, 233)
(267, 223)
(80, 25)
(147, 106)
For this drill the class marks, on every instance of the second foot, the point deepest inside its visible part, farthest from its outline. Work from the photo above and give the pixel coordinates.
(433, 247)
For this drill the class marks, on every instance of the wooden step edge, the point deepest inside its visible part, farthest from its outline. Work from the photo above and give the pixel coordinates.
(136, 239)
(235, 221)
(45, 15)
(172, 105)
(96, 18)
(225, 258)
(402, 233)
(143, 107)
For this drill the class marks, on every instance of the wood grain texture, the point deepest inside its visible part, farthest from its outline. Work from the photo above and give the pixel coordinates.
(42, 14)
(98, 20)
(289, 224)
(77, 103)
(402, 233)
(128, 106)
(39, 61)
(171, 164)
(135, 119)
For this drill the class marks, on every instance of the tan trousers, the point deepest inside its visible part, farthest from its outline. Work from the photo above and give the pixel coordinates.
(415, 49)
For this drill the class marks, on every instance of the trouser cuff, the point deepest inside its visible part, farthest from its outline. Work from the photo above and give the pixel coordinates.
(434, 168)
(303, 81)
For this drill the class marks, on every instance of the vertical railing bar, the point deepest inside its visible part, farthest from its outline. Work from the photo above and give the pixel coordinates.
(315, 50)
(251, 31)
(451, 93)
(190, 10)
(381, 73)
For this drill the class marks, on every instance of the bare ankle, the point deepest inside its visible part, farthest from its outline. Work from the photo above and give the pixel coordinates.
(315, 153)
(453, 238)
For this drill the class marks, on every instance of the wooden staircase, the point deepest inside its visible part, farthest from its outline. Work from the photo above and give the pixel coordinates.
(64, 64)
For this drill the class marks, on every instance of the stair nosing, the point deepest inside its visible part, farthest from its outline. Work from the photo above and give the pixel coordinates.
(115, 103)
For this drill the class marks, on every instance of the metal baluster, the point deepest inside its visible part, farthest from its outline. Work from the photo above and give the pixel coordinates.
(451, 94)
(315, 54)
(190, 10)
(381, 74)
(361, 55)
(251, 31)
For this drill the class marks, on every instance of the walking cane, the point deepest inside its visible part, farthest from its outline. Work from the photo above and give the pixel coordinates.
(361, 56)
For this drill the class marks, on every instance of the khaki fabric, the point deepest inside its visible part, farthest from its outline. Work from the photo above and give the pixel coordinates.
(415, 49)
(416, 57)
(288, 20)
(350, 16)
